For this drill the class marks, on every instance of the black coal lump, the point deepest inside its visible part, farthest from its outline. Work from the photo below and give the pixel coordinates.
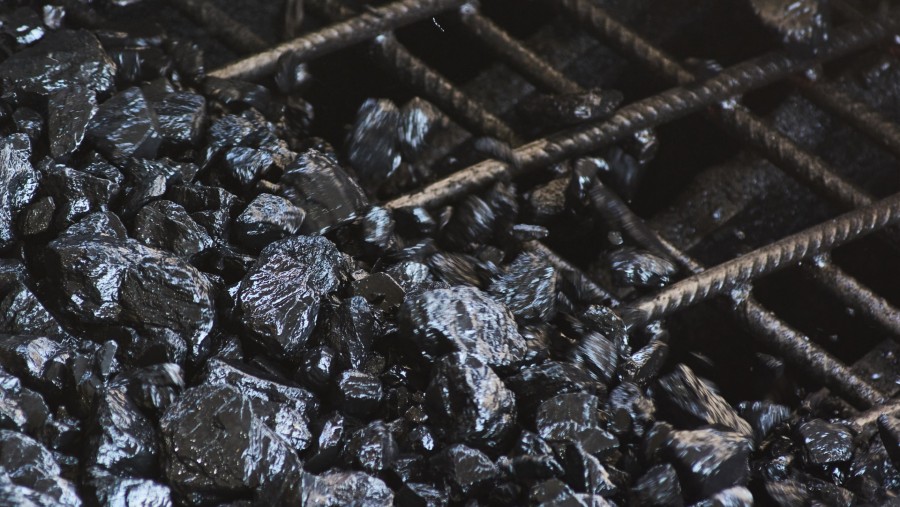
(373, 447)
(38, 361)
(596, 355)
(414, 494)
(215, 448)
(378, 230)
(234, 92)
(637, 268)
(360, 393)
(698, 402)
(18, 184)
(658, 487)
(29, 122)
(318, 366)
(462, 319)
(631, 410)
(21, 409)
(109, 489)
(120, 283)
(153, 388)
(372, 146)
(466, 471)
(242, 167)
(21, 312)
(350, 331)
(125, 126)
(553, 492)
(786, 493)
(643, 366)
(802, 26)
(471, 223)
(336, 488)
(825, 442)
(167, 226)
(77, 193)
(284, 407)
(459, 269)
(738, 496)
(266, 219)
(101, 225)
(120, 439)
(469, 402)
(62, 59)
(527, 288)
(71, 110)
(381, 290)
(708, 460)
(181, 117)
(535, 384)
(575, 418)
(28, 464)
(763, 416)
(278, 300)
(586, 474)
(22, 25)
(37, 217)
(333, 433)
(326, 192)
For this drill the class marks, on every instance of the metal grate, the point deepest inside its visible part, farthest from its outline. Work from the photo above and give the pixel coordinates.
(730, 281)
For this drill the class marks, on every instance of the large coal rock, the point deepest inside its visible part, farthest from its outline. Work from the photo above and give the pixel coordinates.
(30, 465)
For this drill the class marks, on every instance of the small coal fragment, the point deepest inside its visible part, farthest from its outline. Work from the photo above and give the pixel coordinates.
(77, 193)
(462, 319)
(62, 60)
(315, 183)
(787, 493)
(570, 109)
(234, 92)
(553, 492)
(37, 217)
(333, 432)
(527, 288)
(699, 402)
(459, 269)
(825, 442)
(575, 418)
(467, 471)
(658, 487)
(180, 116)
(420, 495)
(166, 225)
(21, 312)
(708, 460)
(763, 416)
(71, 110)
(337, 488)
(245, 166)
(155, 387)
(547, 201)
(535, 384)
(380, 290)
(585, 473)
(125, 126)
(469, 402)
(120, 438)
(216, 448)
(637, 268)
(266, 219)
(279, 297)
(113, 490)
(803, 26)
(372, 144)
(472, 223)
(351, 331)
(22, 25)
(644, 365)
(631, 410)
(29, 122)
(21, 409)
(420, 122)
(105, 225)
(737, 496)
(28, 464)
(318, 366)
(378, 230)
(373, 448)
(18, 183)
(527, 232)
(597, 355)
(360, 393)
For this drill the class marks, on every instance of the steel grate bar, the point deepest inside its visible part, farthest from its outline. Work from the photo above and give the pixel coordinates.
(650, 112)
(339, 35)
(233, 34)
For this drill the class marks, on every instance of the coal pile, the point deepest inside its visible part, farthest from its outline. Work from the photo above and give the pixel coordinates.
(206, 298)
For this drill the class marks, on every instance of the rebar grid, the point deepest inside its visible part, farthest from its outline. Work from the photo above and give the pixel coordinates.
(363, 27)
(233, 34)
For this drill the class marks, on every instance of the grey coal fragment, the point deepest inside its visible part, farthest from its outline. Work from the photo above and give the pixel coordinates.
(467, 471)
(527, 288)
(803, 26)
(469, 402)
(215, 448)
(120, 438)
(63, 59)
(37, 217)
(101, 225)
(637, 268)
(373, 447)
(266, 219)
(18, 183)
(644, 365)
(658, 487)
(575, 418)
(462, 319)
(109, 489)
(338, 488)
(125, 126)
(326, 192)
(278, 299)
(825, 442)
(167, 226)
(71, 110)
(372, 144)
(698, 401)
(709, 460)
(360, 393)
(29, 122)
(28, 464)
(586, 474)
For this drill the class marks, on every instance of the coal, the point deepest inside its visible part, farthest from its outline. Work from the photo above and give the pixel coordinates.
(336, 488)
(292, 73)
(644, 365)
(360, 393)
(825, 442)
(351, 331)
(697, 401)
(373, 447)
(154, 388)
(570, 109)
(76, 193)
(631, 410)
(889, 429)
(333, 434)
(167, 226)
(658, 487)
(466, 471)
(266, 219)
(380, 290)
(763, 416)
(205, 430)
(121, 440)
(113, 490)
(279, 297)
(462, 319)
(469, 402)
(180, 116)
(637, 268)
(21, 312)
(528, 288)
(586, 474)
(537, 383)
(372, 144)
(737, 496)
(18, 183)
(471, 223)
(22, 409)
(708, 460)
(575, 418)
(29, 122)
(125, 126)
(23, 25)
(71, 110)
(802, 26)
(28, 464)
(420, 495)
(37, 217)
(63, 59)
(245, 166)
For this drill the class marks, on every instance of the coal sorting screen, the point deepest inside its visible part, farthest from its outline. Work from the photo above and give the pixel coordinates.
(426, 253)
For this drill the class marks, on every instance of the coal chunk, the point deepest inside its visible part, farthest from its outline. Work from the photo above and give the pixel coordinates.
(29, 122)
(121, 439)
(709, 460)
(637, 268)
(21, 312)
(337, 488)
(28, 464)
(467, 471)
(571, 108)
(216, 447)
(360, 393)
(333, 432)
(326, 192)
(696, 400)
(763, 416)
(802, 26)
(109, 489)
(535, 384)
(462, 319)
(21, 409)
(125, 126)
(245, 166)
(737, 496)
(372, 144)
(414, 494)
(266, 219)
(181, 117)
(658, 487)
(631, 409)
(586, 474)
(469, 402)
(63, 59)
(18, 183)
(23, 25)
(825, 442)
(167, 226)
(643, 366)
(351, 331)
(889, 429)
(77, 193)
(380, 290)
(575, 418)
(71, 110)
(527, 288)
(278, 299)
(373, 447)
(154, 388)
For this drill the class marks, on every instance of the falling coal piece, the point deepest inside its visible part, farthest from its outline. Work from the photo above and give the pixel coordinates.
(709, 461)
(763, 416)
(636, 268)
(125, 126)
(372, 144)
(462, 319)
(803, 26)
(181, 116)
(266, 219)
(380, 290)
(336, 488)
(570, 109)
(658, 487)
(471, 223)
(360, 393)
(528, 288)
(699, 402)
(291, 74)
(825, 442)
(644, 365)
(71, 110)
(469, 402)
(537, 383)
(631, 410)
(467, 471)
